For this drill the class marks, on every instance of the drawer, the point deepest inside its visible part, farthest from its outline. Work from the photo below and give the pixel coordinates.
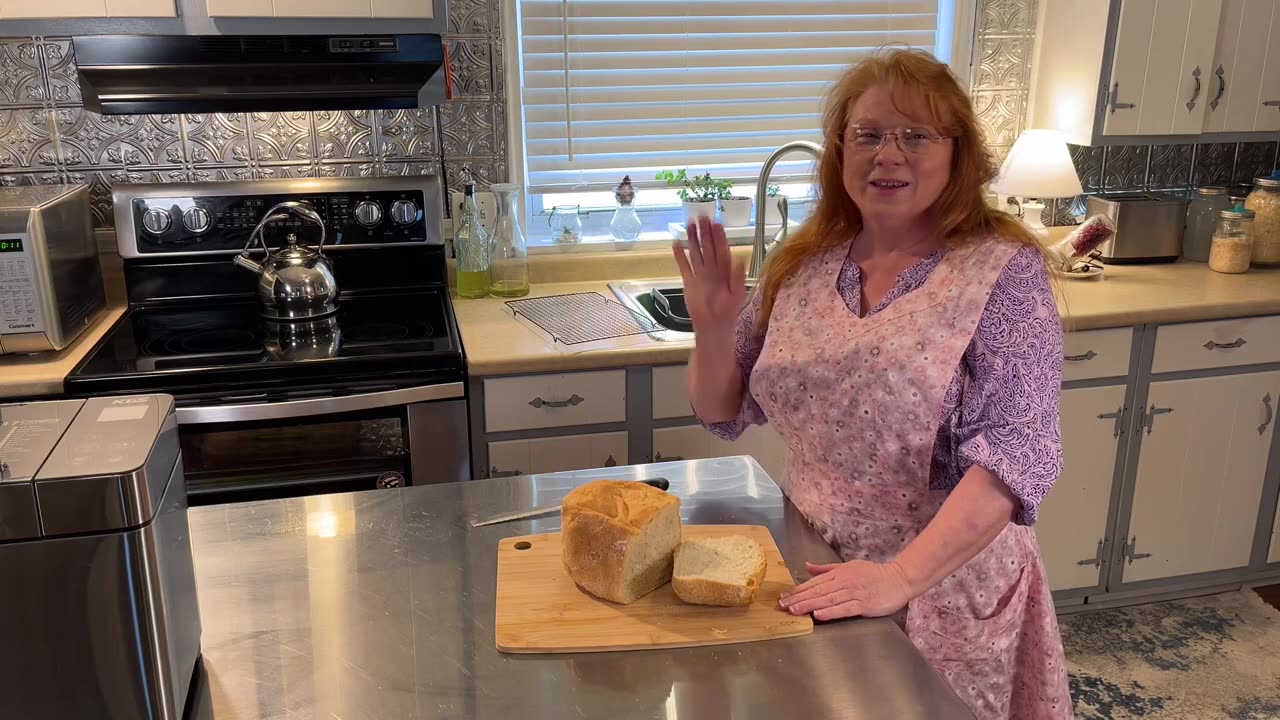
(671, 392)
(557, 454)
(1217, 344)
(1096, 354)
(545, 401)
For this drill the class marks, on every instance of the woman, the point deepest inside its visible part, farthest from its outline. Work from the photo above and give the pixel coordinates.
(907, 346)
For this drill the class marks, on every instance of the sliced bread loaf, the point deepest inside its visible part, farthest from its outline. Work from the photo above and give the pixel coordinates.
(719, 571)
(619, 538)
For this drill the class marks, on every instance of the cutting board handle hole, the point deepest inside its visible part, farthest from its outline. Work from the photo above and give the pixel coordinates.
(523, 545)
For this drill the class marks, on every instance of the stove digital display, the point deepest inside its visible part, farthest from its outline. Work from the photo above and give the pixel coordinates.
(11, 246)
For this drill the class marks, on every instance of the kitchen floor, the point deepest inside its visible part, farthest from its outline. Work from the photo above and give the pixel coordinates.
(1270, 594)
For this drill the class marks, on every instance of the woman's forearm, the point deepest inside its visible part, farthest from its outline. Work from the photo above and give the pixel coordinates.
(715, 382)
(971, 517)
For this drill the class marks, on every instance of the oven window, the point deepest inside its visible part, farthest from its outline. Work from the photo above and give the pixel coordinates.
(235, 462)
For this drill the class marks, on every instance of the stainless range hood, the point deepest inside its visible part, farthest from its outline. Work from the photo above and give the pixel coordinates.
(134, 74)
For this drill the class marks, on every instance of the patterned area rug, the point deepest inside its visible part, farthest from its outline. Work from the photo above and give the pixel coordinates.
(1197, 659)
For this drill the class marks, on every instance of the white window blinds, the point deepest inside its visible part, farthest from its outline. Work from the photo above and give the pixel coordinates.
(614, 87)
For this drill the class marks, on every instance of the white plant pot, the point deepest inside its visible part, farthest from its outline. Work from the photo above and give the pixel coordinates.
(695, 210)
(772, 215)
(736, 212)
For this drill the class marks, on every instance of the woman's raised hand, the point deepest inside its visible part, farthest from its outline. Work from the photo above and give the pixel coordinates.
(715, 286)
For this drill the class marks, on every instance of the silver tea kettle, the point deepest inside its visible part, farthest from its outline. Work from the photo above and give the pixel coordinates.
(294, 282)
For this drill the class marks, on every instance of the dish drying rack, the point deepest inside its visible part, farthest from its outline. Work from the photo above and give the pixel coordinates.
(581, 322)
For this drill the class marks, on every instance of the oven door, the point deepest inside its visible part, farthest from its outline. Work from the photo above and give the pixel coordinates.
(237, 451)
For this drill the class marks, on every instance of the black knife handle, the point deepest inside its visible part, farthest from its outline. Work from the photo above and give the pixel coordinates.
(661, 483)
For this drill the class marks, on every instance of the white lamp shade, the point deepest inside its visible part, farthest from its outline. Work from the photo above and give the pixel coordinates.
(1039, 166)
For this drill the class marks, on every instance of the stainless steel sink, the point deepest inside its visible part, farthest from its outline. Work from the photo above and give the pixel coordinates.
(633, 294)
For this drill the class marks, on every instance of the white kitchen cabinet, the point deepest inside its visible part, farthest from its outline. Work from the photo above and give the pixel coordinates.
(1242, 60)
(1200, 473)
(1073, 518)
(692, 442)
(416, 9)
(53, 9)
(1274, 554)
(557, 454)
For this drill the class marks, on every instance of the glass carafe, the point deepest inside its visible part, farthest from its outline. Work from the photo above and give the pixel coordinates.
(566, 225)
(509, 263)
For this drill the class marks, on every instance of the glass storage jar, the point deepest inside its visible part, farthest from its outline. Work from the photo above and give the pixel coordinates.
(509, 257)
(1264, 201)
(1232, 241)
(1202, 220)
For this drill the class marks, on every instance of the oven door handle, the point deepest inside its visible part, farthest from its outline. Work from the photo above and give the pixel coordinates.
(317, 406)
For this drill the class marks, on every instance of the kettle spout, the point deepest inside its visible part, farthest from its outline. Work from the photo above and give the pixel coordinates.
(248, 263)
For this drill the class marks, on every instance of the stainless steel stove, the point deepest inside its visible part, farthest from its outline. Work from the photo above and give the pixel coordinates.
(370, 396)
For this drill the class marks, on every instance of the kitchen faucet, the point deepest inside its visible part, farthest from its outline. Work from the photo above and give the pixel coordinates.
(758, 247)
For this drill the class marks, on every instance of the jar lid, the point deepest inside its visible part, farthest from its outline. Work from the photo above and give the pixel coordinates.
(1236, 213)
(1267, 182)
(1211, 190)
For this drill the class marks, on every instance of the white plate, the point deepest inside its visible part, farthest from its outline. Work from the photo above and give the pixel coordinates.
(1092, 273)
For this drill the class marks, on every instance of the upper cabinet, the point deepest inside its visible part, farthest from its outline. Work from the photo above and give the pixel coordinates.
(417, 9)
(1111, 70)
(51, 9)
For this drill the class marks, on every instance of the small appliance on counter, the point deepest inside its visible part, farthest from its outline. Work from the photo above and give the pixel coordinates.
(1148, 227)
(99, 613)
(50, 278)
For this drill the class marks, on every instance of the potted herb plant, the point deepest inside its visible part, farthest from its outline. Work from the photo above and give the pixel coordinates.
(700, 193)
(772, 215)
(735, 210)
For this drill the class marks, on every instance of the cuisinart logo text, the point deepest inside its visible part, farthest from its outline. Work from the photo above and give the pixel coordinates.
(21, 326)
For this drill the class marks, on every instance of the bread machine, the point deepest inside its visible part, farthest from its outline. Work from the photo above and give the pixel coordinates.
(98, 615)
(1148, 227)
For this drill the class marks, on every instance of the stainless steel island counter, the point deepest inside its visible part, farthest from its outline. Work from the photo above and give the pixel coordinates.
(379, 606)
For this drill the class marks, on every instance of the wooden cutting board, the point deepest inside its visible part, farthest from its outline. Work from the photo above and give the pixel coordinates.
(541, 610)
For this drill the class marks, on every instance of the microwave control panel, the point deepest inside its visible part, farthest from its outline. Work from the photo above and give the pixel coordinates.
(19, 306)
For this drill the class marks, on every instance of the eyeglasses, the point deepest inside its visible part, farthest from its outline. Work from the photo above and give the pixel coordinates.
(869, 140)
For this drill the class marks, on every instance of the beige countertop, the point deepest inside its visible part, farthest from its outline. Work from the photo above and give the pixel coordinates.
(42, 374)
(498, 344)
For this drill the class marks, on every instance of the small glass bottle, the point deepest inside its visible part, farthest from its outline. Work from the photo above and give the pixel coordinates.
(509, 262)
(625, 225)
(471, 243)
(1232, 241)
(1202, 219)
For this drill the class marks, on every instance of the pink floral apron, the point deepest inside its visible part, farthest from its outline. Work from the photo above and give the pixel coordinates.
(858, 401)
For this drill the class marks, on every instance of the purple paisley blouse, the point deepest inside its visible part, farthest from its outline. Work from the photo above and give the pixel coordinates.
(1001, 410)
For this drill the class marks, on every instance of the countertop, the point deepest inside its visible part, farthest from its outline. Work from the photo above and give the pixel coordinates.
(380, 605)
(498, 344)
(42, 374)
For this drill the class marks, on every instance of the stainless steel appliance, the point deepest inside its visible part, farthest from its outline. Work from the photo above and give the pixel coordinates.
(50, 277)
(134, 74)
(373, 395)
(294, 282)
(1148, 227)
(99, 615)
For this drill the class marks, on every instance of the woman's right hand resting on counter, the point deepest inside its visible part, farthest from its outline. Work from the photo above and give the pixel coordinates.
(715, 290)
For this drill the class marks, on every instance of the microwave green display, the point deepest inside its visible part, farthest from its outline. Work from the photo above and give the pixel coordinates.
(14, 246)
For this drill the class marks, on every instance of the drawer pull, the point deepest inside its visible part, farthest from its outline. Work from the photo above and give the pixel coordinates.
(573, 401)
(1195, 94)
(1080, 358)
(494, 472)
(1152, 412)
(1118, 417)
(1239, 343)
(1271, 414)
(1222, 87)
(675, 458)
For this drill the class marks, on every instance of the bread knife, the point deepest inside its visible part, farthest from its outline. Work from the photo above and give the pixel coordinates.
(661, 483)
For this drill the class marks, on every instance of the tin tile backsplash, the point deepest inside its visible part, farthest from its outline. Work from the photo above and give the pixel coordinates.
(47, 137)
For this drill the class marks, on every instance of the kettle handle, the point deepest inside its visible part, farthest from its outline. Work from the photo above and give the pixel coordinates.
(301, 209)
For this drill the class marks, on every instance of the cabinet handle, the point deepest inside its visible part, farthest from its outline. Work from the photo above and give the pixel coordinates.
(1115, 104)
(1222, 87)
(1191, 104)
(1271, 103)
(1095, 560)
(1271, 414)
(1152, 412)
(573, 401)
(1129, 551)
(1118, 416)
(1239, 343)
(675, 458)
(1080, 358)
(496, 473)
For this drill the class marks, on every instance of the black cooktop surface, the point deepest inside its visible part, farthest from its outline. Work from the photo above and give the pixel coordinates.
(220, 344)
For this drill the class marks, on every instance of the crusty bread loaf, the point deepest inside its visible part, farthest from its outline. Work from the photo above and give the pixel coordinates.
(724, 570)
(619, 538)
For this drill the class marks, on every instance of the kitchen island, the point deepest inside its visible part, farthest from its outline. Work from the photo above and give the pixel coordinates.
(380, 605)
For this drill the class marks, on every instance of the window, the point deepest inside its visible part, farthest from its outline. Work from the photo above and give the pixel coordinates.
(629, 87)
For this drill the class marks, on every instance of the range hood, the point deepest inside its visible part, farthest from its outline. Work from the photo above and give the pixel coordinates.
(133, 74)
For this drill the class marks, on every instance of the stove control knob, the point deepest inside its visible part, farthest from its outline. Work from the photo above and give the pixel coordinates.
(404, 212)
(368, 213)
(196, 220)
(156, 221)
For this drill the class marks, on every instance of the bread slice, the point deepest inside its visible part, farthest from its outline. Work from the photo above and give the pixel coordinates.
(724, 571)
(619, 538)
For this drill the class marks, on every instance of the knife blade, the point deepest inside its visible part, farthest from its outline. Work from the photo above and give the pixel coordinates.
(661, 483)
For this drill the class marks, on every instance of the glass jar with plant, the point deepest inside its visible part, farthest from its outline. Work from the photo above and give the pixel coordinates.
(700, 193)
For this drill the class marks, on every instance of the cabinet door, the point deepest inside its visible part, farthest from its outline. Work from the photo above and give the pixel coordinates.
(1274, 554)
(1241, 56)
(1073, 518)
(403, 9)
(323, 8)
(239, 8)
(141, 8)
(557, 454)
(1267, 111)
(693, 442)
(1200, 473)
(1129, 66)
(21, 9)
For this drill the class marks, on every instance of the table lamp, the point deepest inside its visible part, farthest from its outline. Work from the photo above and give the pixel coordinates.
(1039, 166)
